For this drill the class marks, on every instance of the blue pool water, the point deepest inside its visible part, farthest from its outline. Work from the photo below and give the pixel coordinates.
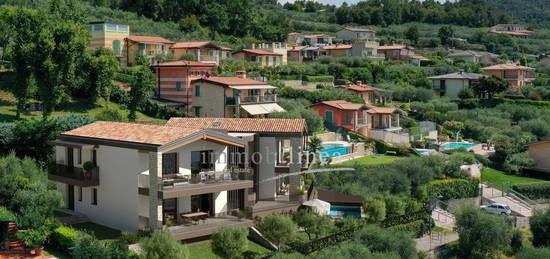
(345, 212)
(423, 152)
(333, 150)
(451, 145)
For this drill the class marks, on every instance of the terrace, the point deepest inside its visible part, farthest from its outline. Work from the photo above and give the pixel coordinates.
(73, 175)
(207, 227)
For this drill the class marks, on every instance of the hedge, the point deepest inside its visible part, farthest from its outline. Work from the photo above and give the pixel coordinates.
(318, 78)
(417, 228)
(6, 214)
(64, 237)
(533, 190)
(383, 147)
(454, 188)
(405, 218)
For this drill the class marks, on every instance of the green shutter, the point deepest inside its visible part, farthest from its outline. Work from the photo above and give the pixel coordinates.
(178, 85)
(197, 90)
(141, 47)
(116, 47)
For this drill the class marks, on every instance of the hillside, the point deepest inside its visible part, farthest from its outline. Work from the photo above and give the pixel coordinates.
(529, 11)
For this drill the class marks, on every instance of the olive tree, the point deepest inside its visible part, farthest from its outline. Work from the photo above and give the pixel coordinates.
(230, 242)
(279, 228)
(160, 245)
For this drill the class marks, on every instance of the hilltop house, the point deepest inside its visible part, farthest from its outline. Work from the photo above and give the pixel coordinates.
(336, 50)
(310, 39)
(264, 57)
(352, 34)
(450, 84)
(233, 97)
(275, 47)
(203, 51)
(145, 177)
(366, 49)
(517, 75)
(371, 121)
(514, 30)
(110, 35)
(400, 52)
(370, 94)
(149, 46)
(540, 153)
(482, 57)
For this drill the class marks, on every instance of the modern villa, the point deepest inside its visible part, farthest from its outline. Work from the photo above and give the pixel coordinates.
(135, 176)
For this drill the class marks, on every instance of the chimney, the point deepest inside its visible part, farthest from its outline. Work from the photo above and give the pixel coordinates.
(241, 73)
(359, 82)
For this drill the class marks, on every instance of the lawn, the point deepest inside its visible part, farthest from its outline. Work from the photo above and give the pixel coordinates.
(499, 179)
(77, 106)
(203, 250)
(372, 160)
(100, 231)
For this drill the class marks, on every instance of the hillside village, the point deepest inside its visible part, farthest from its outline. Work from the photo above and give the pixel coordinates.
(259, 129)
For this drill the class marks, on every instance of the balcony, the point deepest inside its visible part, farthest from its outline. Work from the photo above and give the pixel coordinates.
(259, 98)
(208, 59)
(178, 185)
(73, 175)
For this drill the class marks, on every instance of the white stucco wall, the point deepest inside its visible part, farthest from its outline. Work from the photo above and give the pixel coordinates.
(211, 100)
(220, 202)
(453, 86)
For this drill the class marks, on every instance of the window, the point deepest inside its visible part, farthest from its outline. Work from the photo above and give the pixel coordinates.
(79, 193)
(90, 27)
(274, 60)
(122, 28)
(347, 119)
(79, 156)
(197, 90)
(98, 27)
(197, 111)
(94, 196)
(116, 47)
(267, 60)
(178, 86)
(111, 27)
(253, 58)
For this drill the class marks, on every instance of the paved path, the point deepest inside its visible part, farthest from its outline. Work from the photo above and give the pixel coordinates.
(497, 196)
(431, 242)
(443, 218)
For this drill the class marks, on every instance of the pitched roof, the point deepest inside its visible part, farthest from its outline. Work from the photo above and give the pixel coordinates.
(362, 88)
(184, 63)
(233, 80)
(464, 53)
(337, 46)
(131, 132)
(149, 39)
(242, 124)
(381, 110)
(259, 52)
(394, 47)
(458, 75)
(317, 35)
(338, 197)
(343, 105)
(358, 29)
(296, 48)
(194, 44)
(507, 67)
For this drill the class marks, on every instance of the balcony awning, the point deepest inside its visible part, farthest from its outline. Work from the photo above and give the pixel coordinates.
(246, 87)
(64, 143)
(264, 108)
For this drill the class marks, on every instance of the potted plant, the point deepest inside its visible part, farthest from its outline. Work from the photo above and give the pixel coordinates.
(239, 214)
(302, 191)
(34, 238)
(88, 166)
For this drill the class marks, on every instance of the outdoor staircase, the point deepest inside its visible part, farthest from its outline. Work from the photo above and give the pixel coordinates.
(443, 218)
(13, 243)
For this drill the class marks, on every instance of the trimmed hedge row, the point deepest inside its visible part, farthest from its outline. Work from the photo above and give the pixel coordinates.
(383, 147)
(63, 237)
(417, 228)
(534, 190)
(454, 188)
(406, 218)
(318, 78)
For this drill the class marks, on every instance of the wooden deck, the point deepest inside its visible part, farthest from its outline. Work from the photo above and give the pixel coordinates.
(211, 226)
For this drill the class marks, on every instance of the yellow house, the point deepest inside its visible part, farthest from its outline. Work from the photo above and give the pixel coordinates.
(263, 57)
(149, 46)
(109, 35)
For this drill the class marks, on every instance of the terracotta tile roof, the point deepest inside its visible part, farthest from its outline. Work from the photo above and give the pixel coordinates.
(242, 124)
(296, 48)
(194, 44)
(417, 57)
(507, 67)
(393, 47)
(337, 46)
(318, 35)
(233, 80)
(149, 39)
(362, 88)
(344, 105)
(226, 49)
(131, 132)
(184, 63)
(259, 52)
(381, 110)
(358, 29)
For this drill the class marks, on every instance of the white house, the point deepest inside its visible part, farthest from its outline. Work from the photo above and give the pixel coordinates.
(355, 34)
(483, 57)
(450, 84)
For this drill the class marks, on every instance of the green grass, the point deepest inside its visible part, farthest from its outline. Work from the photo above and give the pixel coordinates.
(372, 160)
(77, 106)
(203, 250)
(100, 231)
(500, 180)
(59, 214)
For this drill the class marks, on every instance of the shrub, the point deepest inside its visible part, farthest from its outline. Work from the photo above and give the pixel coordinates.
(279, 228)
(5, 214)
(313, 224)
(129, 237)
(230, 242)
(540, 190)
(533, 253)
(156, 110)
(454, 188)
(417, 228)
(318, 78)
(539, 226)
(87, 246)
(64, 237)
(34, 237)
(88, 166)
(383, 241)
(161, 244)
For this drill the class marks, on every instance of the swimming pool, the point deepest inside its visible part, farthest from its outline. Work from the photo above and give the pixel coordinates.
(333, 150)
(345, 212)
(423, 152)
(451, 145)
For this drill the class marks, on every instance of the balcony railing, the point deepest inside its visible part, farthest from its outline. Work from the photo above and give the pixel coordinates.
(208, 58)
(259, 98)
(208, 177)
(73, 175)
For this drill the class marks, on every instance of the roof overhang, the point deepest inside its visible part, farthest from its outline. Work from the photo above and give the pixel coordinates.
(71, 144)
(246, 87)
(264, 108)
